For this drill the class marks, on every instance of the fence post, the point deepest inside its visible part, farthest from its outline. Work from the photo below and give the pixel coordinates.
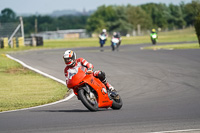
(5, 42)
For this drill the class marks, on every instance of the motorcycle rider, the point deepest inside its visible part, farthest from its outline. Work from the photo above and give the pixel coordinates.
(71, 62)
(117, 35)
(103, 33)
(153, 32)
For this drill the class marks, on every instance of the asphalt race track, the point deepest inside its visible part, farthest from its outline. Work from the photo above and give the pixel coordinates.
(160, 92)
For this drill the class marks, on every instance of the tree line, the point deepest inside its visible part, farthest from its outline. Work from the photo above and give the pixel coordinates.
(126, 18)
(123, 19)
(44, 22)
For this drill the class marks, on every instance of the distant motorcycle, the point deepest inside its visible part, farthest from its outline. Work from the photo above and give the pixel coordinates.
(102, 40)
(91, 91)
(154, 38)
(115, 42)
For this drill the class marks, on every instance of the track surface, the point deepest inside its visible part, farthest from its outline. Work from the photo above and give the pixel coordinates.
(160, 92)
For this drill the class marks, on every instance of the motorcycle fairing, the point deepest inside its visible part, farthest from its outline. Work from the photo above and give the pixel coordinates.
(77, 78)
(98, 86)
(154, 35)
(74, 78)
(102, 37)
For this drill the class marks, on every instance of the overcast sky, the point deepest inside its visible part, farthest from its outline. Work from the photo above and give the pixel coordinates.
(48, 6)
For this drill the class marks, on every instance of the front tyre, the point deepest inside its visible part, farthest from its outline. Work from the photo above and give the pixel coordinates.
(113, 46)
(117, 103)
(154, 41)
(89, 100)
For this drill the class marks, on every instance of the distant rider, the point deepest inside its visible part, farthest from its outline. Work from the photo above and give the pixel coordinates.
(117, 35)
(103, 37)
(153, 31)
(152, 34)
(71, 62)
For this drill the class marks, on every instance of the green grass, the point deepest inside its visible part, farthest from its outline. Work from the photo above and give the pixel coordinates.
(22, 88)
(177, 46)
(71, 43)
(185, 35)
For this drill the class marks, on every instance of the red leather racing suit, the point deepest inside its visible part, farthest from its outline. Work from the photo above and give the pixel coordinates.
(87, 65)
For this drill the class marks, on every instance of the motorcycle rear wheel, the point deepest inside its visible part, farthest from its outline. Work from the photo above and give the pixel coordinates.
(88, 104)
(117, 103)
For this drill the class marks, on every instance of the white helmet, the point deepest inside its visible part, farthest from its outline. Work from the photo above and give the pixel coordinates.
(69, 57)
(104, 30)
(114, 33)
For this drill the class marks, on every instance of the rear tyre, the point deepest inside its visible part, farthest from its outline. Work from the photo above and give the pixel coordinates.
(117, 103)
(90, 103)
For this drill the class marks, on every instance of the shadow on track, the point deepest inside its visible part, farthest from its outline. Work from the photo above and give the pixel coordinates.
(73, 111)
(69, 111)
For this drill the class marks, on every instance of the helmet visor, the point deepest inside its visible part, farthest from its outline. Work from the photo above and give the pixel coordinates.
(68, 60)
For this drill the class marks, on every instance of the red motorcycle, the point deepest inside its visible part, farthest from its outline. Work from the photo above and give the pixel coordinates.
(91, 91)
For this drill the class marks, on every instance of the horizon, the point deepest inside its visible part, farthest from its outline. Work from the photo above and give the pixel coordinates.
(39, 7)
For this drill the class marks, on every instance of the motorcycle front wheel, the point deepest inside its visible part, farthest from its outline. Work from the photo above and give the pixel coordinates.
(154, 41)
(89, 100)
(113, 46)
(117, 103)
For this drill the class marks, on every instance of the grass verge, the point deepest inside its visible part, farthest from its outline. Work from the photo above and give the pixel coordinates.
(22, 88)
(185, 35)
(177, 46)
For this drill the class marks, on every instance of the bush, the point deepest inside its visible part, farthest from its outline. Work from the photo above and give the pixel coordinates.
(197, 27)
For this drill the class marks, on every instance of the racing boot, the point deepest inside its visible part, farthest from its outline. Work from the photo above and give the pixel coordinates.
(112, 90)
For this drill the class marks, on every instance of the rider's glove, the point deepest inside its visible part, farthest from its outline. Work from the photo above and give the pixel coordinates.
(89, 70)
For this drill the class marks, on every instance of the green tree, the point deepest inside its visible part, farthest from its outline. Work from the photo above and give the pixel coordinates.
(70, 22)
(136, 15)
(159, 14)
(113, 18)
(121, 24)
(197, 27)
(29, 24)
(196, 5)
(102, 18)
(7, 15)
(94, 24)
(176, 17)
(192, 15)
(47, 23)
(191, 10)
